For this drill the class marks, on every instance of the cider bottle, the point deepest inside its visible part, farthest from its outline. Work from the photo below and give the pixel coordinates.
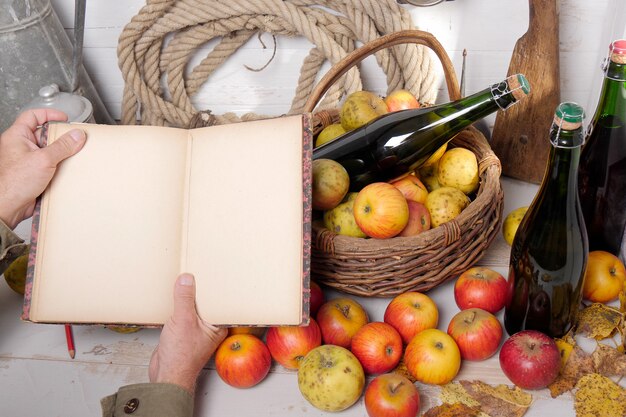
(549, 251)
(602, 171)
(399, 142)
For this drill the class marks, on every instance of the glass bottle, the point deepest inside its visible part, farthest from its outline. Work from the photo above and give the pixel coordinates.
(549, 251)
(602, 171)
(399, 142)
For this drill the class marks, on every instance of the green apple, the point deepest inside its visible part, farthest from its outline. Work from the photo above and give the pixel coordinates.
(329, 133)
(360, 108)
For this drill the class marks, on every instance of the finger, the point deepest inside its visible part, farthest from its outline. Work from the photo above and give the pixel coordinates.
(65, 146)
(37, 117)
(185, 298)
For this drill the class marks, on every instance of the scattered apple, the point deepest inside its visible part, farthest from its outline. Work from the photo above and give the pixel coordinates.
(331, 378)
(330, 132)
(458, 168)
(401, 100)
(330, 184)
(257, 331)
(432, 357)
(360, 108)
(480, 287)
(317, 298)
(476, 332)
(444, 204)
(512, 222)
(339, 320)
(124, 329)
(604, 277)
(419, 219)
(412, 188)
(380, 210)
(15, 274)
(391, 395)
(410, 313)
(530, 359)
(288, 345)
(242, 360)
(378, 346)
(340, 220)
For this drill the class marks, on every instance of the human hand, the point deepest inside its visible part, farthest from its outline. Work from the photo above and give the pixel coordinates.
(186, 343)
(26, 169)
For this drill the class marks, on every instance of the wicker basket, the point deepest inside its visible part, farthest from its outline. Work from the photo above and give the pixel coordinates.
(388, 267)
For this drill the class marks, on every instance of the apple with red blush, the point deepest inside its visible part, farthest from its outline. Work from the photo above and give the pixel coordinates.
(419, 219)
(391, 395)
(477, 333)
(410, 313)
(317, 298)
(480, 287)
(288, 345)
(339, 320)
(378, 346)
(401, 99)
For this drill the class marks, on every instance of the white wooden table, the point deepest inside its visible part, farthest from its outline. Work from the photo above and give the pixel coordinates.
(37, 377)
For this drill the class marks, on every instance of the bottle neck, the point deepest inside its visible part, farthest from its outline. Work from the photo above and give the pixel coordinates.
(561, 176)
(613, 95)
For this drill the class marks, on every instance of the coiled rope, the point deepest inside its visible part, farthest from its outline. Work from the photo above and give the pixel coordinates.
(156, 45)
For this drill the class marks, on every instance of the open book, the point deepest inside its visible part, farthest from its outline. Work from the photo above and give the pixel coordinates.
(140, 204)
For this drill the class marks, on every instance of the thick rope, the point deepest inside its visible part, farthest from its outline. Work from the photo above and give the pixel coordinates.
(155, 48)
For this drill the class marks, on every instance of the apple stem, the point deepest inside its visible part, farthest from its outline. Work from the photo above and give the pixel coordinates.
(396, 387)
(470, 319)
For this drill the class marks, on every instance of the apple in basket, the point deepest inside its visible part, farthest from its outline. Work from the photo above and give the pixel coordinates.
(401, 100)
(380, 210)
(242, 360)
(360, 108)
(339, 320)
(330, 184)
(419, 219)
(412, 188)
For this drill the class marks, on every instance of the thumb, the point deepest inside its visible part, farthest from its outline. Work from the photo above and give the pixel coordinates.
(65, 146)
(185, 297)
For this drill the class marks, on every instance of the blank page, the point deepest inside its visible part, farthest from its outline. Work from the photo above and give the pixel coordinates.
(245, 222)
(109, 248)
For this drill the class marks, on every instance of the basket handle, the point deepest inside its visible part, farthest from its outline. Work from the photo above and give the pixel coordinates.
(396, 38)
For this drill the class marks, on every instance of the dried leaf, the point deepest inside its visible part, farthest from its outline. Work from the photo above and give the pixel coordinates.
(608, 361)
(452, 410)
(404, 371)
(598, 321)
(622, 299)
(454, 392)
(499, 401)
(579, 363)
(598, 396)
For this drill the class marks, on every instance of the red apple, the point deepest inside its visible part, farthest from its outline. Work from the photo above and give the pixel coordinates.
(530, 359)
(477, 333)
(242, 360)
(419, 219)
(380, 210)
(410, 313)
(432, 357)
(411, 188)
(317, 298)
(378, 346)
(401, 100)
(339, 320)
(290, 344)
(391, 395)
(480, 287)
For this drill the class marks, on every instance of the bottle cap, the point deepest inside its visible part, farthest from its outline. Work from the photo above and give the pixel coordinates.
(618, 51)
(519, 86)
(569, 115)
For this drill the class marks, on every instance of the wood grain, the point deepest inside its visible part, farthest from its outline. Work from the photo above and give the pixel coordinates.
(520, 134)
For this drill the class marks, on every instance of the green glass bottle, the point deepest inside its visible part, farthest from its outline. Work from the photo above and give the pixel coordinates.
(602, 170)
(549, 251)
(399, 142)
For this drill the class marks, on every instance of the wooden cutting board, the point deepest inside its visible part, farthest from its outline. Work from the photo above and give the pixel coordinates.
(520, 134)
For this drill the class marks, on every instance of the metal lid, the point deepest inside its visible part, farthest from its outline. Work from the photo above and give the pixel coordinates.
(77, 108)
(618, 51)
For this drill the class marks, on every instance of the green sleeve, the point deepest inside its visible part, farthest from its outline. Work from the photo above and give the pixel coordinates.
(148, 400)
(11, 246)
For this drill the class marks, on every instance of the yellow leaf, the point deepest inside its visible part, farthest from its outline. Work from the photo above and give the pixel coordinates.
(598, 321)
(452, 410)
(609, 361)
(598, 396)
(578, 364)
(498, 401)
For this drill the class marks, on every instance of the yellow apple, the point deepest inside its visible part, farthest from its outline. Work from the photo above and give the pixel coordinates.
(434, 158)
(511, 223)
(341, 220)
(444, 204)
(360, 108)
(458, 168)
(15, 274)
(433, 357)
(428, 176)
(604, 277)
(330, 184)
(329, 133)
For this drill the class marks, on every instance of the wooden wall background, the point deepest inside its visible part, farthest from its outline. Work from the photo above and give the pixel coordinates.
(487, 29)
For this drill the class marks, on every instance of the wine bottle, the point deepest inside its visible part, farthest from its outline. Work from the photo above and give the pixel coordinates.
(549, 251)
(399, 142)
(602, 171)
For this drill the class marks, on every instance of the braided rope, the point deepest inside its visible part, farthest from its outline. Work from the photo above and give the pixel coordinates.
(154, 69)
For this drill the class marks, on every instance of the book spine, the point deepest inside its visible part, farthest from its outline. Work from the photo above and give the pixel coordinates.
(307, 204)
